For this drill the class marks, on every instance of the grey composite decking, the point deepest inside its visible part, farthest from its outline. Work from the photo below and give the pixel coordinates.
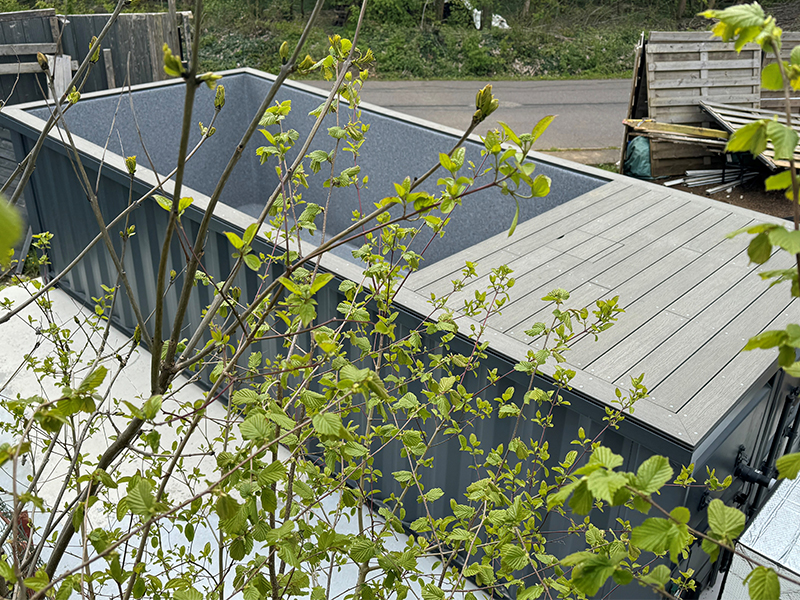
(691, 297)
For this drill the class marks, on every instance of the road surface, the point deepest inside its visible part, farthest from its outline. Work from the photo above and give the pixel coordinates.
(590, 112)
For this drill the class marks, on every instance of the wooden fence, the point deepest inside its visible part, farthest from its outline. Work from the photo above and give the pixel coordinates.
(682, 69)
(132, 54)
(132, 49)
(685, 68)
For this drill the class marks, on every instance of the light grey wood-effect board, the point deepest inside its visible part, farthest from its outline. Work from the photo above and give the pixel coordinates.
(691, 297)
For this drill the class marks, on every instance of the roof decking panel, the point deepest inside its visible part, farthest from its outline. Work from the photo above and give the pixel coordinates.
(691, 297)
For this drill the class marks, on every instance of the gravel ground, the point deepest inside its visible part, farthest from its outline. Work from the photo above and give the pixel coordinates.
(750, 195)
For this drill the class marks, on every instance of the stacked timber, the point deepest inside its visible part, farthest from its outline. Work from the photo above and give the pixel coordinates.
(721, 179)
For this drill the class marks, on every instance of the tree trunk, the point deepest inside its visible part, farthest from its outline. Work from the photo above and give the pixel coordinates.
(681, 8)
(526, 9)
(486, 18)
(440, 10)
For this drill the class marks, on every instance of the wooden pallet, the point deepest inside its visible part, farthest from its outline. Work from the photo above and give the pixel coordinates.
(733, 117)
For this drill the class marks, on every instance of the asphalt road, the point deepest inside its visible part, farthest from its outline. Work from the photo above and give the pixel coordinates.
(590, 112)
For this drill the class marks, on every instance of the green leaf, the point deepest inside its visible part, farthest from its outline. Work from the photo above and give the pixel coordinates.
(541, 186)
(653, 474)
(431, 591)
(592, 572)
(289, 285)
(93, 380)
(749, 138)
(582, 500)
(760, 249)
(188, 594)
(795, 56)
(604, 484)
(784, 139)
(337, 133)
(184, 203)
(767, 339)
(516, 557)
(10, 231)
(788, 466)
(781, 181)
(255, 427)
(250, 233)
(320, 281)
(762, 583)
(151, 406)
(726, 522)
(681, 514)
(710, 548)
(327, 423)
(140, 499)
(252, 261)
(658, 576)
(771, 77)
(528, 593)
(272, 473)
(226, 507)
(163, 202)
(362, 550)
(510, 133)
(541, 126)
(235, 240)
(444, 160)
(7, 572)
(740, 16)
(661, 535)
(38, 582)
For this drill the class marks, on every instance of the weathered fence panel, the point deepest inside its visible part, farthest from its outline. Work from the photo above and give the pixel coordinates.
(132, 49)
(685, 68)
(22, 35)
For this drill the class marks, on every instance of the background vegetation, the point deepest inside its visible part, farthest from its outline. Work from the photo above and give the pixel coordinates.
(571, 39)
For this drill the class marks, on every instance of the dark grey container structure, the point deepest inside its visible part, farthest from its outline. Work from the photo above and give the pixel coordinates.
(691, 297)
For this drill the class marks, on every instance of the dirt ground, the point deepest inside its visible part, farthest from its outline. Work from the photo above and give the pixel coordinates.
(749, 195)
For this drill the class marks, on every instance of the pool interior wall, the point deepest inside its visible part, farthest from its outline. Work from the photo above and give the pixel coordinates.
(394, 149)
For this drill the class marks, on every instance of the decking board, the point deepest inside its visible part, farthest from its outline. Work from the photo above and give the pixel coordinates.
(691, 297)
(642, 249)
(693, 374)
(618, 193)
(639, 310)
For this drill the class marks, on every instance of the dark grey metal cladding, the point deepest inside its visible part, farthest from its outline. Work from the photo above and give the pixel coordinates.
(394, 149)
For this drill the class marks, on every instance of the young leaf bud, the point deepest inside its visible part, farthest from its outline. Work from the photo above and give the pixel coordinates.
(130, 163)
(42, 60)
(284, 52)
(96, 55)
(219, 97)
(210, 79)
(172, 65)
(74, 96)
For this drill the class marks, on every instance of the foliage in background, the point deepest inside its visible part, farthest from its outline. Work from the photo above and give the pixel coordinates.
(575, 39)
